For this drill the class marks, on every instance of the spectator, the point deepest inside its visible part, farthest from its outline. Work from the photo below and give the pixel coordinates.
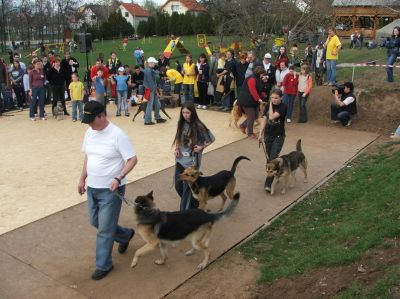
(229, 85)
(150, 84)
(175, 77)
(333, 46)
(56, 77)
(345, 106)
(113, 64)
(282, 57)
(220, 83)
(51, 58)
(122, 91)
(178, 66)
(94, 73)
(392, 44)
(253, 63)
(192, 137)
(189, 78)
(109, 157)
(319, 64)
(162, 61)
(294, 55)
(241, 68)
(25, 80)
(46, 69)
(270, 75)
(273, 129)
(139, 56)
(17, 58)
(308, 54)
(3, 77)
(37, 91)
(289, 84)
(304, 88)
(137, 80)
(281, 73)
(76, 91)
(69, 65)
(250, 99)
(100, 87)
(16, 78)
(34, 56)
(203, 78)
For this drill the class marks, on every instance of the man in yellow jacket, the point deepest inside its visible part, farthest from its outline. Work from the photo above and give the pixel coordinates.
(175, 77)
(332, 45)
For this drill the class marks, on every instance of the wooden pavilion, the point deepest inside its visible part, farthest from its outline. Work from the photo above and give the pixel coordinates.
(365, 16)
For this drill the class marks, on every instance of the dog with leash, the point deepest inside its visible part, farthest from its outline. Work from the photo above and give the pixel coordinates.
(158, 228)
(205, 188)
(285, 166)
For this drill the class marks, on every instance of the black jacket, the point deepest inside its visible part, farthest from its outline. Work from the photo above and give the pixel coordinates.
(241, 69)
(56, 78)
(245, 98)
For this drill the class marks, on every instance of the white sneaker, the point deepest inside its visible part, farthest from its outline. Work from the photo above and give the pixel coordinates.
(288, 120)
(43, 118)
(334, 121)
(348, 123)
(204, 107)
(395, 136)
(33, 119)
(198, 106)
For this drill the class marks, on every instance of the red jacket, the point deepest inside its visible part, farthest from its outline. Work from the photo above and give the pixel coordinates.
(93, 73)
(290, 83)
(280, 59)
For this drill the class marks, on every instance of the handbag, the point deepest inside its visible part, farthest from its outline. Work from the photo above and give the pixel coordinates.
(210, 89)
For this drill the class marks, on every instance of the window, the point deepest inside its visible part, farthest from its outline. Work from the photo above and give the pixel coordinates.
(175, 8)
(126, 14)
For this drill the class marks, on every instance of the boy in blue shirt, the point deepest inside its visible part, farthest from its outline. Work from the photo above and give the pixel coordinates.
(99, 87)
(122, 90)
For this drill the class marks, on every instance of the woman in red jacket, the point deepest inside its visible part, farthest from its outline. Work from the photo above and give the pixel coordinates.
(250, 99)
(289, 84)
(282, 57)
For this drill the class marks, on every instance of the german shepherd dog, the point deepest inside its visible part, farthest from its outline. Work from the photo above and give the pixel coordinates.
(158, 229)
(207, 187)
(285, 166)
(143, 107)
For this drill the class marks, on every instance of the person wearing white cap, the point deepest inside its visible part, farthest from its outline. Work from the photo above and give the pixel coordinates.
(122, 90)
(150, 85)
(269, 80)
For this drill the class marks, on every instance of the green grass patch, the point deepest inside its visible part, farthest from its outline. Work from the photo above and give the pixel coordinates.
(335, 225)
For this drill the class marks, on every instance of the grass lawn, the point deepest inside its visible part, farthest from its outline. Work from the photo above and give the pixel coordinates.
(355, 212)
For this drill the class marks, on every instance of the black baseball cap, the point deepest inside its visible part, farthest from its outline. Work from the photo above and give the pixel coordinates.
(91, 110)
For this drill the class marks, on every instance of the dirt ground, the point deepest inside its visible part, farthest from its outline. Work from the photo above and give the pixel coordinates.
(41, 161)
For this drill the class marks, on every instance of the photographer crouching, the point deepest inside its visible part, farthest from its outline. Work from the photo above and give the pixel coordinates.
(344, 107)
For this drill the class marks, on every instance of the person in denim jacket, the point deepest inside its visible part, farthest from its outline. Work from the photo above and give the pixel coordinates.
(392, 44)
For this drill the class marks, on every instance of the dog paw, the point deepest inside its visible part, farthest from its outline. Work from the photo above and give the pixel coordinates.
(201, 266)
(283, 191)
(305, 181)
(134, 263)
(159, 262)
(190, 252)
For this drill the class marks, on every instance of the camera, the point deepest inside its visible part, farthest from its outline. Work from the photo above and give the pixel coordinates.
(339, 88)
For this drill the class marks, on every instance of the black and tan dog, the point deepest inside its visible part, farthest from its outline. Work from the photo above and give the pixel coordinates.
(285, 166)
(207, 187)
(143, 106)
(158, 228)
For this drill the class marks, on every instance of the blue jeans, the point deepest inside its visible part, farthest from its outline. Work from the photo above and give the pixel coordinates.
(331, 70)
(38, 96)
(188, 93)
(122, 104)
(77, 105)
(389, 70)
(152, 101)
(338, 114)
(303, 108)
(288, 100)
(273, 146)
(183, 190)
(104, 208)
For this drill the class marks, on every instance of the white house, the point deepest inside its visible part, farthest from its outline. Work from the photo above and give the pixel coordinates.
(134, 13)
(182, 6)
(92, 14)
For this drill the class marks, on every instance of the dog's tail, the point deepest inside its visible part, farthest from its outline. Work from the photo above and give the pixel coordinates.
(236, 162)
(229, 210)
(298, 146)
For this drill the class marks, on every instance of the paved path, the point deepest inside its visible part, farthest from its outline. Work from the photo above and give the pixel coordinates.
(54, 257)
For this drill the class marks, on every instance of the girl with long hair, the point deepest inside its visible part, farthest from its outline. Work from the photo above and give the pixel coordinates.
(392, 46)
(189, 78)
(192, 137)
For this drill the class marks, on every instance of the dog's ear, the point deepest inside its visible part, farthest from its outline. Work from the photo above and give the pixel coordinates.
(200, 173)
(150, 195)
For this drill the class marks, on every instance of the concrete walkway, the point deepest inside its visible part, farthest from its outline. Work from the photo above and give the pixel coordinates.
(54, 257)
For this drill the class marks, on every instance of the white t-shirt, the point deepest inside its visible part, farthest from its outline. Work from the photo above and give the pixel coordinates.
(106, 150)
(347, 101)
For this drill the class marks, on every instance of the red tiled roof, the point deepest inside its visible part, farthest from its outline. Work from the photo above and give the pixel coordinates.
(192, 5)
(136, 10)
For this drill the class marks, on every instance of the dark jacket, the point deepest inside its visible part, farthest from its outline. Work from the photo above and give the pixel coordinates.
(56, 78)
(240, 72)
(69, 69)
(3, 73)
(113, 65)
(270, 72)
(205, 76)
(351, 108)
(245, 98)
(393, 45)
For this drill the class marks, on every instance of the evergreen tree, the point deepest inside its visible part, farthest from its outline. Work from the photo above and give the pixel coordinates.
(173, 24)
(142, 28)
(115, 26)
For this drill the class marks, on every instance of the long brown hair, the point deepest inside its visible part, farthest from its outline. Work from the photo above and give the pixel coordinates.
(196, 126)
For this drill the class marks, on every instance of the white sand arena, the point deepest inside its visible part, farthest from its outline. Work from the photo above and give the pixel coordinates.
(41, 161)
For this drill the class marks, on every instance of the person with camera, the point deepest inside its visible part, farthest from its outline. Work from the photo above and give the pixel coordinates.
(392, 44)
(344, 107)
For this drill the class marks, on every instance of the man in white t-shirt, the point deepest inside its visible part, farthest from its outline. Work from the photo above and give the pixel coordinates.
(109, 157)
